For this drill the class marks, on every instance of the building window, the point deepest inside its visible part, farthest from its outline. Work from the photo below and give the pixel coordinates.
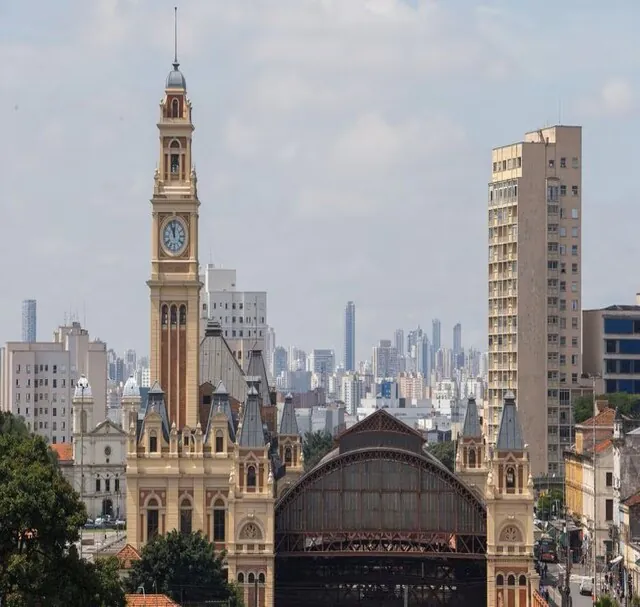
(575, 163)
(219, 521)
(153, 519)
(563, 163)
(574, 190)
(107, 485)
(186, 516)
(97, 485)
(609, 510)
(574, 214)
(510, 478)
(288, 456)
(175, 109)
(153, 442)
(116, 485)
(219, 441)
(251, 477)
(609, 479)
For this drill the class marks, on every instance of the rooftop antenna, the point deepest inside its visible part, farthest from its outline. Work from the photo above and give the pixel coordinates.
(175, 38)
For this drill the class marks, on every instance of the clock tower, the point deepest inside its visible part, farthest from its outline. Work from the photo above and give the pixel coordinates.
(174, 283)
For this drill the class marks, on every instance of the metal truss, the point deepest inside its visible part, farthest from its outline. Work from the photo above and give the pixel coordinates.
(382, 501)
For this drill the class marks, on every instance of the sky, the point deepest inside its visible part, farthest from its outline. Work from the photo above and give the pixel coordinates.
(343, 150)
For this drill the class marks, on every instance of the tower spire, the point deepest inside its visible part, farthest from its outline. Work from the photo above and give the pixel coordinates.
(176, 65)
(175, 38)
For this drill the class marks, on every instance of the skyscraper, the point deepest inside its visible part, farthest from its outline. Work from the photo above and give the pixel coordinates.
(436, 334)
(535, 287)
(350, 337)
(457, 339)
(29, 320)
(398, 338)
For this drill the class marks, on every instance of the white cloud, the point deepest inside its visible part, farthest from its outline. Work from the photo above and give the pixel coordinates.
(616, 97)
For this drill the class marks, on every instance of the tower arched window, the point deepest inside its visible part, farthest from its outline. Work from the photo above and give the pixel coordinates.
(175, 157)
(251, 477)
(153, 442)
(522, 580)
(219, 441)
(500, 580)
(186, 516)
(510, 478)
(174, 315)
(252, 578)
(511, 580)
(472, 458)
(240, 578)
(183, 315)
(165, 315)
(153, 518)
(261, 578)
(219, 521)
(288, 456)
(175, 109)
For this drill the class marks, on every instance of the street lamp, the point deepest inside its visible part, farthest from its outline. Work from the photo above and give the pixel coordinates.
(83, 384)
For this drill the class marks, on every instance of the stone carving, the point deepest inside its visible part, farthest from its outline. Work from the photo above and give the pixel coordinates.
(250, 532)
(510, 534)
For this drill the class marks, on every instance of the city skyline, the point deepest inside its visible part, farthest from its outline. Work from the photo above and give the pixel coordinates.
(264, 140)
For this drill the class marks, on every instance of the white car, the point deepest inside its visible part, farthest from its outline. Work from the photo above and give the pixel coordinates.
(586, 587)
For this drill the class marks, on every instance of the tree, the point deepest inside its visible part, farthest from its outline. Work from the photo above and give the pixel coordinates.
(183, 566)
(445, 452)
(550, 503)
(607, 601)
(627, 404)
(41, 517)
(316, 446)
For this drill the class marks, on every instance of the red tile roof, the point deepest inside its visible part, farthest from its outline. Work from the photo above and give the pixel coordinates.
(150, 600)
(633, 500)
(604, 418)
(126, 555)
(64, 451)
(602, 446)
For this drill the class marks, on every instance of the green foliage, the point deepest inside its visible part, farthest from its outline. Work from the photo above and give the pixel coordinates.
(628, 404)
(445, 452)
(635, 601)
(182, 566)
(607, 601)
(550, 503)
(316, 446)
(41, 517)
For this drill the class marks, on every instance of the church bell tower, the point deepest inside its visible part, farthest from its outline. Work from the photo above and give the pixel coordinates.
(174, 283)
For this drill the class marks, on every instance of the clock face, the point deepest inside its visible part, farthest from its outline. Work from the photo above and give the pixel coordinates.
(174, 236)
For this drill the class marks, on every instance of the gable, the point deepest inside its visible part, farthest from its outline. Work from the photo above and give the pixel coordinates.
(381, 421)
(107, 427)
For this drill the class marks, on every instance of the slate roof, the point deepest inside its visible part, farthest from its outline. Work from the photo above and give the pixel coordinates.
(256, 368)
(156, 403)
(252, 429)
(220, 403)
(509, 432)
(288, 421)
(471, 427)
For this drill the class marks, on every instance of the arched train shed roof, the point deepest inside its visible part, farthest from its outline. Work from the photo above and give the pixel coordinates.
(379, 493)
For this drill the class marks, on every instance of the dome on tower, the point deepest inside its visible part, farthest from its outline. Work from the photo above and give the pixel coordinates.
(83, 388)
(175, 79)
(131, 389)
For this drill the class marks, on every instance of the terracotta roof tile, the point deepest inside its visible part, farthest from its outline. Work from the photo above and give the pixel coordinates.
(64, 451)
(602, 446)
(150, 600)
(633, 500)
(604, 418)
(126, 555)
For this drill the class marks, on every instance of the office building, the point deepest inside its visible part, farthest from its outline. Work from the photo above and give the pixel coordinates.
(385, 360)
(611, 347)
(436, 334)
(29, 325)
(350, 337)
(535, 213)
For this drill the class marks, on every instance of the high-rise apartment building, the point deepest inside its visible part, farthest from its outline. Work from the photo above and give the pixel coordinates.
(29, 325)
(457, 339)
(350, 337)
(37, 380)
(242, 314)
(385, 360)
(535, 300)
(398, 340)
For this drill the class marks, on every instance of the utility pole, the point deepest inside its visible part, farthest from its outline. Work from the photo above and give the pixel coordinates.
(83, 383)
(566, 590)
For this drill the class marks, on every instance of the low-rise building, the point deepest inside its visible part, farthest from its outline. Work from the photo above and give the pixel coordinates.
(591, 459)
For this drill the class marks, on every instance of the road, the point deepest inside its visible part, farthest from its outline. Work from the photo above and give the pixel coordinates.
(578, 574)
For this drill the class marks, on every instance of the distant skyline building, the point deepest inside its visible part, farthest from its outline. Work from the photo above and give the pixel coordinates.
(398, 338)
(29, 321)
(436, 334)
(457, 339)
(350, 337)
